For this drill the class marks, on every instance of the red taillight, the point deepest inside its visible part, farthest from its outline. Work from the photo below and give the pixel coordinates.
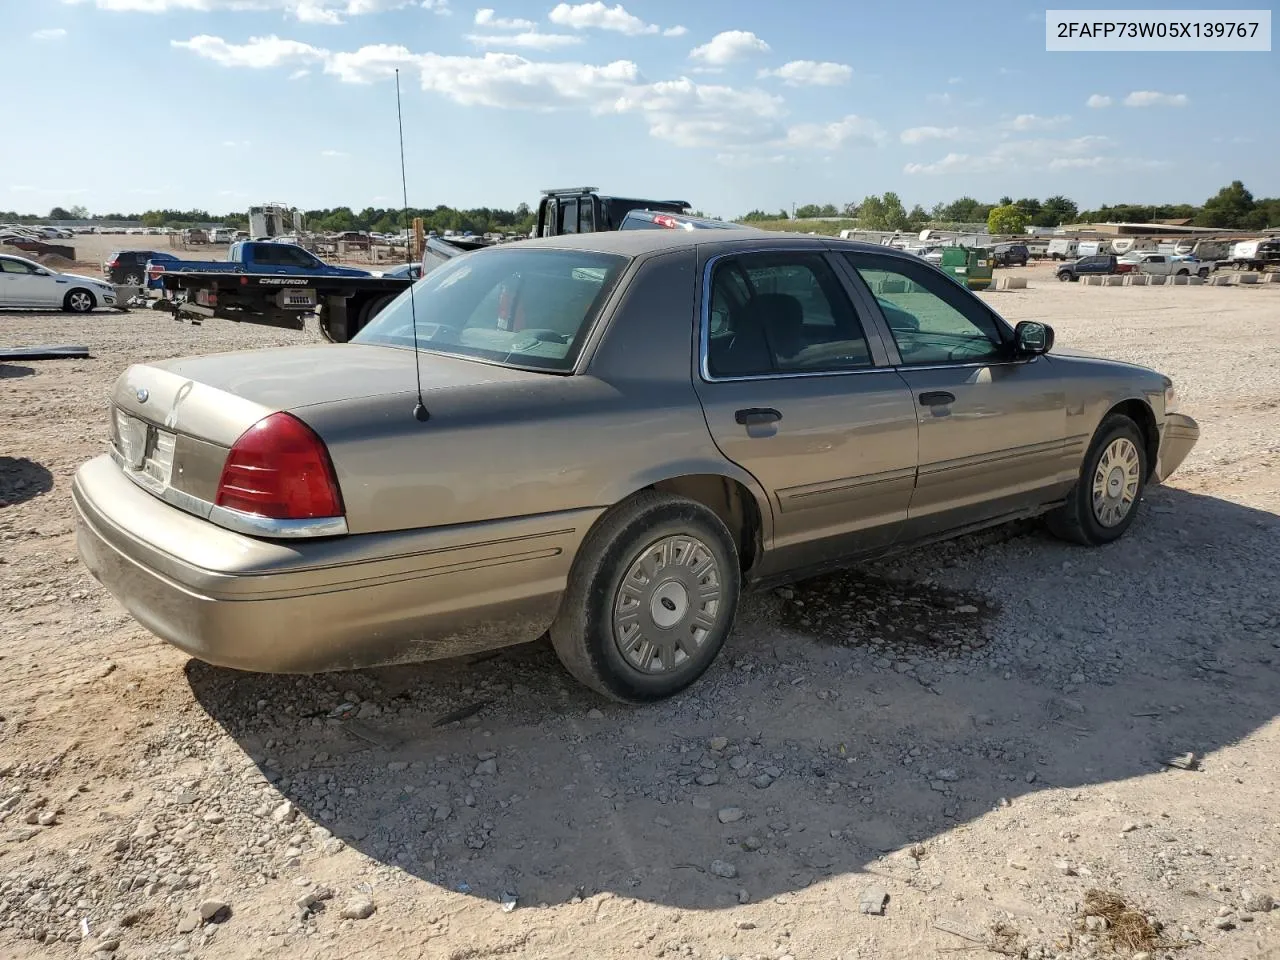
(154, 270)
(280, 469)
(112, 264)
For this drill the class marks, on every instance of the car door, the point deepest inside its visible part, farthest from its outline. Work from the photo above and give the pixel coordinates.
(797, 390)
(992, 425)
(22, 286)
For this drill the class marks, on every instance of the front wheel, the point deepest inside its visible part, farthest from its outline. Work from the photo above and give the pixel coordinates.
(79, 301)
(651, 598)
(1104, 501)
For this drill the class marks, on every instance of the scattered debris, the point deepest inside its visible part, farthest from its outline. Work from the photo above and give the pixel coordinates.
(1122, 925)
(1183, 761)
(873, 900)
(455, 716)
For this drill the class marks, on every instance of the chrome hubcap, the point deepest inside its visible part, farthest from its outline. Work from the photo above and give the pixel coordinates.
(79, 301)
(667, 603)
(1116, 481)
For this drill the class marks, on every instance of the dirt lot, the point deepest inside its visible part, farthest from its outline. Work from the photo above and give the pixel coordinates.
(976, 731)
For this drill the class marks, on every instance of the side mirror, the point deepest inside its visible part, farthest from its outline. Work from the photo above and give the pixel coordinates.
(1032, 338)
(42, 273)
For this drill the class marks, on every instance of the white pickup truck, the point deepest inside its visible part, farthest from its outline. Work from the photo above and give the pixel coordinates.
(1166, 265)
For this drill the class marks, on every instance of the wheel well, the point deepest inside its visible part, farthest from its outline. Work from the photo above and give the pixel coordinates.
(731, 502)
(1141, 414)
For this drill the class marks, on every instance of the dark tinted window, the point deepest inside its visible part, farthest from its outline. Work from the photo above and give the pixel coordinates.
(586, 216)
(568, 216)
(527, 308)
(777, 313)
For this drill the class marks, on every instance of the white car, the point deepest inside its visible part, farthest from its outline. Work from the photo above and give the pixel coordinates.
(25, 283)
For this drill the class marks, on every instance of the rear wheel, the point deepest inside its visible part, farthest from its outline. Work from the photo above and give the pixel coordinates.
(1105, 499)
(133, 279)
(1064, 276)
(651, 599)
(78, 301)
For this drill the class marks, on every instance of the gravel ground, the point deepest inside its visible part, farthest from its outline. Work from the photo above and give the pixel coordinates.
(956, 749)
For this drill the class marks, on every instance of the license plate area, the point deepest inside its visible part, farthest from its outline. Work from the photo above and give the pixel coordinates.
(146, 451)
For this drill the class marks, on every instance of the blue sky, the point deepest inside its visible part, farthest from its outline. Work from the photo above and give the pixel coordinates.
(730, 105)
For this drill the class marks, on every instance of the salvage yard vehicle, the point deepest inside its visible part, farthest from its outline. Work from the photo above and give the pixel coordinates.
(1256, 254)
(584, 210)
(129, 267)
(1163, 265)
(25, 283)
(273, 283)
(605, 437)
(1098, 264)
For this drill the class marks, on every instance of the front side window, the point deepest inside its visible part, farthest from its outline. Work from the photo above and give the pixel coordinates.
(524, 308)
(932, 319)
(781, 313)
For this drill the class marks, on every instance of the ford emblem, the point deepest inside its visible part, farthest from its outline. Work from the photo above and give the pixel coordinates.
(143, 394)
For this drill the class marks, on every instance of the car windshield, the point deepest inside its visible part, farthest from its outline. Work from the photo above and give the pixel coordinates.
(525, 308)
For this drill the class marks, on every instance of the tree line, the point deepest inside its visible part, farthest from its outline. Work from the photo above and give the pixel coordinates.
(1232, 207)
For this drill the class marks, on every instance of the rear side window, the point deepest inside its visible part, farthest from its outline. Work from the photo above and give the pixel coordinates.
(781, 313)
(523, 308)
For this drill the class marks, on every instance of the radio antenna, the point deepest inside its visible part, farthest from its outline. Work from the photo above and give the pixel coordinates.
(420, 409)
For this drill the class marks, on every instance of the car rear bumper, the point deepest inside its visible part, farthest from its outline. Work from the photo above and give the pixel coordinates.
(1178, 435)
(338, 604)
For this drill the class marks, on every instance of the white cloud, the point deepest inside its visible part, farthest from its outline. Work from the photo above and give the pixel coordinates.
(676, 31)
(1153, 98)
(50, 33)
(530, 40)
(727, 47)
(486, 17)
(334, 153)
(1076, 163)
(508, 80)
(438, 7)
(258, 54)
(923, 134)
(1098, 101)
(236, 143)
(377, 62)
(1025, 122)
(955, 80)
(811, 73)
(305, 11)
(682, 111)
(852, 131)
(583, 16)
(299, 74)
(690, 114)
(1013, 154)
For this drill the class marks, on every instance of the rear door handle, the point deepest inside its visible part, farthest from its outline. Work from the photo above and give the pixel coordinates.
(755, 416)
(936, 398)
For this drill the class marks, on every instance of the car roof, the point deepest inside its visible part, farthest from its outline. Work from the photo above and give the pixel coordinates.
(638, 243)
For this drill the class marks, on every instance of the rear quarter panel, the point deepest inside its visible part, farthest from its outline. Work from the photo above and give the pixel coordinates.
(545, 443)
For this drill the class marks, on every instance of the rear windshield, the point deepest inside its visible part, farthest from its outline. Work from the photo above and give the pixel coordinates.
(523, 308)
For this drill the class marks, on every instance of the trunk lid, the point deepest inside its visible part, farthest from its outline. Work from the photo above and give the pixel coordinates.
(174, 422)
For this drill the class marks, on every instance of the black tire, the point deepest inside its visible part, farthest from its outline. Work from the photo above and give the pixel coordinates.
(133, 279)
(1183, 273)
(583, 633)
(79, 300)
(1064, 276)
(1078, 520)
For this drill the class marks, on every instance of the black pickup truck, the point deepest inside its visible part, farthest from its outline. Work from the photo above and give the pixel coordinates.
(584, 210)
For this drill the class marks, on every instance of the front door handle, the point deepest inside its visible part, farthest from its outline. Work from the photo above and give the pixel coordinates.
(755, 416)
(936, 398)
